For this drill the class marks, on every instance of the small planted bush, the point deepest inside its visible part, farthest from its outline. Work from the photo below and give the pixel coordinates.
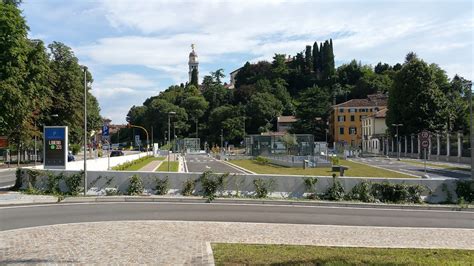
(335, 160)
(465, 190)
(361, 192)
(263, 187)
(261, 160)
(188, 187)
(310, 186)
(211, 184)
(397, 193)
(136, 185)
(73, 182)
(162, 186)
(336, 191)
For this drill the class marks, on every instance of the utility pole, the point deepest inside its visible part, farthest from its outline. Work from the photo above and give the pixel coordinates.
(471, 128)
(222, 140)
(85, 130)
(398, 140)
(197, 128)
(169, 137)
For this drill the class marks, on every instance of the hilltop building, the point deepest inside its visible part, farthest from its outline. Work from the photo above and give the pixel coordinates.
(193, 63)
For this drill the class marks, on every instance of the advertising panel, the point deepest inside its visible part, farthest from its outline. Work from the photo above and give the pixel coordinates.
(55, 147)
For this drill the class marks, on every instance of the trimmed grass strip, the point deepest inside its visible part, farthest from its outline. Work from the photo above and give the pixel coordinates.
(251, 254)
(355, 170)
(164, 167)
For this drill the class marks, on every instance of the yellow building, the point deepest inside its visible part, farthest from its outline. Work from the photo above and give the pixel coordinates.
(345, 122)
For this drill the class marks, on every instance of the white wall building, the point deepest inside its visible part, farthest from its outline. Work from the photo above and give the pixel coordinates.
(373, 128)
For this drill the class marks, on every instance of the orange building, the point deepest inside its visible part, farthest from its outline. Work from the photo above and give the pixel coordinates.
(345, 124)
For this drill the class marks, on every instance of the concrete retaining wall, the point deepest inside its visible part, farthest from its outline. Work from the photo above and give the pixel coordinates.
(285, 186)
(100, 164)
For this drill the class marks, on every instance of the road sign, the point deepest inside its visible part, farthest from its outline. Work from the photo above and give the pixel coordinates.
(137, 140)
(425, 144)
(105, 130)
(3, 142)
(424, 135)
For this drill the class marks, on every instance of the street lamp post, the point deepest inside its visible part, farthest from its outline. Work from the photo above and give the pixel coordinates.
(222, 141)
(85, 130)
(398, 141)
(471, 128)
(169, 136)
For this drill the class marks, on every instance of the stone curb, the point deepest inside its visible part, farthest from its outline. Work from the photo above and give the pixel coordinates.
(263, 202)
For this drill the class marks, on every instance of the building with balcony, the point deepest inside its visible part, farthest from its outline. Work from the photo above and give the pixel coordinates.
(373, 130)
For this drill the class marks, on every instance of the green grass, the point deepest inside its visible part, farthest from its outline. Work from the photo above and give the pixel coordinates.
(164, 167)
(355, 170)
(441, 166)
(142, 164)
(249, 254)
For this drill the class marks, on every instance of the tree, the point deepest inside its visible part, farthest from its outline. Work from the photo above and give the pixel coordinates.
(218, 75)
(194, 78)
(229, 119)
(312, 112)
(415, 91)
(308, 59)
(316, 62)
(195, 107)
(263, 108)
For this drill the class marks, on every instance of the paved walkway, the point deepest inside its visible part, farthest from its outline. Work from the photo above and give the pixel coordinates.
(177, 243)
(152, 166)
(12, 198)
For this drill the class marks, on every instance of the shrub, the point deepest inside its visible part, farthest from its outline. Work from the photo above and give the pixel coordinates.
(465, 190)
(211, 183)
(310, 186)
(335, 160)
(362, 192)
(18, 179)
(262, 187)
(162, 186)
(73, 182)
(336, 191)
(398, 193)
(261, 160)
(136, 185)
(75, 148)
(111, 191)
(52, 185)
(449, 195)
(188, 187)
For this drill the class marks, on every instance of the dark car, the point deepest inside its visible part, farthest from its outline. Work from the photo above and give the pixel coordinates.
(70, 157)
(116, 153)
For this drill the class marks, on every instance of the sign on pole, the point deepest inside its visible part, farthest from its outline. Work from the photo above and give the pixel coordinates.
(55, 147)
(137, 140)
(3, 142)
(105, 130)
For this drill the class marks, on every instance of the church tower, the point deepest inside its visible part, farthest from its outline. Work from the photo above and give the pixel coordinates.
(193, 63)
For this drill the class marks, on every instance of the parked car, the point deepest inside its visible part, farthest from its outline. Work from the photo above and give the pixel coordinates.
(70, 157)
(116, 153)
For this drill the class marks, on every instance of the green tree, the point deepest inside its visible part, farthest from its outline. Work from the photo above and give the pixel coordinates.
(415, 91)
(195, 107)
(263, 109)
(312, 112)
(218, 75)
(229, 119)
(308, 57)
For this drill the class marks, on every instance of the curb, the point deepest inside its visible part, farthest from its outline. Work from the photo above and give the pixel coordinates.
(263, 202)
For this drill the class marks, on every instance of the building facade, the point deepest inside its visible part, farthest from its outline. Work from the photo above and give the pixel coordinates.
(373, 132)
(284, 123)
(345, 123)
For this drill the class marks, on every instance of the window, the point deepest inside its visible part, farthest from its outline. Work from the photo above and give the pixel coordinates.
(341, 110)
(352, 110)
(341, 131)
(341, 118)
(352, 131)
(352, 118)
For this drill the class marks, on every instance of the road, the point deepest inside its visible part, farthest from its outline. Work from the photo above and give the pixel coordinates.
(30, 216)
(414, 169)
(7, 177)
(198, 163)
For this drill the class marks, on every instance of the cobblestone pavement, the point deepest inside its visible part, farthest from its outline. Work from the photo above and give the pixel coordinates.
(10, 198)
(177, 243)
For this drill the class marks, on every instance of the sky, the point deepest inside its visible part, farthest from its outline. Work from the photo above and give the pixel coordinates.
(137, 48)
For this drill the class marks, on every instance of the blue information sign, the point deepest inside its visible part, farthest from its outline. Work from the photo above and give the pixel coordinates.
(55, 147)
(105, 130)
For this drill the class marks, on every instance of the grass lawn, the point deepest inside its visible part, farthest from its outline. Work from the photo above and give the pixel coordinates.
(142, 164)
(248, 254)
(442, 166)
(164, 166)
(355, 170)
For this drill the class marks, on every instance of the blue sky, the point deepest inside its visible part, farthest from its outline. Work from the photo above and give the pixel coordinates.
(137, 48)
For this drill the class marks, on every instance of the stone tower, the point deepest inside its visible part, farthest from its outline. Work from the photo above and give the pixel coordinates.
(193, 63)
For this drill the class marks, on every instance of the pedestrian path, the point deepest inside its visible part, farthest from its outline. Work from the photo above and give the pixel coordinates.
(188, 243)
(152, 166)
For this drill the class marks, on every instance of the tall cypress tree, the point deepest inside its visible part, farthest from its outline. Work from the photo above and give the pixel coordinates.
(308, 59)
(316, 58)
(194, 78)
(330, 59)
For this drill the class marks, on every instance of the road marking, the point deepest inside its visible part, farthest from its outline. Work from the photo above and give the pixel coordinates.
(230, 204)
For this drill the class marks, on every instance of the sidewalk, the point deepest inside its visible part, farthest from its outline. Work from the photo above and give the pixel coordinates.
(188, 243)
(152, 166)
(16, 198)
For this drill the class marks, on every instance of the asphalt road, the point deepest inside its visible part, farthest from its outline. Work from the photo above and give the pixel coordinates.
(7, 177)
(414, 169)
(198, 163)
(30, 216)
